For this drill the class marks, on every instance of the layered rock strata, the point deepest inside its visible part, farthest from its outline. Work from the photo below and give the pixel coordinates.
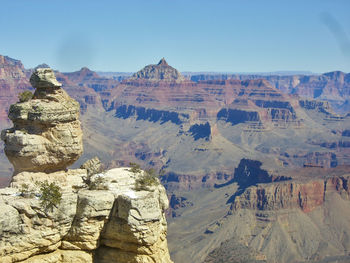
(303, 195)
(46, 135)
(296, 221)
(12, 80)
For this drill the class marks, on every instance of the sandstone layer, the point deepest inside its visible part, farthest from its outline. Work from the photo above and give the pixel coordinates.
(115, 224)
(46, 135)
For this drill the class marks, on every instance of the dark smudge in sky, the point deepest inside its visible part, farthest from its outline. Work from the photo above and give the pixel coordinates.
(338, 32)
(74, 52)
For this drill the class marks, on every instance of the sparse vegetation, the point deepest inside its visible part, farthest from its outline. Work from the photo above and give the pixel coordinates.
(135, 168)
(25, 96)
(50, 195)
(25, 192)
(146, 180)
(98, 184)
(94, 180)
(151, 172)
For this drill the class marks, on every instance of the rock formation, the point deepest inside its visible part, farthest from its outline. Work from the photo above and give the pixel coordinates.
(114, 224)
(301, 220)
(100, 216)
(332, 86)
(306, 196)
(46, 135)
(161, 71)
(214, 116)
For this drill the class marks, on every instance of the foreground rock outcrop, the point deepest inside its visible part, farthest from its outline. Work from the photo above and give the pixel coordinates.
(114, 224)
(92, 216)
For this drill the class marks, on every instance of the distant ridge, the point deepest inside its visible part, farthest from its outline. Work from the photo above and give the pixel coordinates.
(159, 72)
(280, 72)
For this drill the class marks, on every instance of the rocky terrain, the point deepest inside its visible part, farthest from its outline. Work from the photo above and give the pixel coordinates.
(303, 219)
(54, 214)
(46, 135)
(220, 120)
(251, 162)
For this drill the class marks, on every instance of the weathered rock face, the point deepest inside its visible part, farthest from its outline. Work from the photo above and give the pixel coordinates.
(46, 135)
(161, 71)
(93, 166)
(116, 224)
(305, 196)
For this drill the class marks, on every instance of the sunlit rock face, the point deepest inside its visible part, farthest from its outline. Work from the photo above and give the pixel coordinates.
(161, 71)
(46, 135)
(115, 224)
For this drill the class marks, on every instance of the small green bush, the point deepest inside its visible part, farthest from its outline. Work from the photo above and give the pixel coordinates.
(25, 96)
(50, 195)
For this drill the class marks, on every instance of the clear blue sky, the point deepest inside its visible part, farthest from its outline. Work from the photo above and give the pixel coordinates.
(193, 35)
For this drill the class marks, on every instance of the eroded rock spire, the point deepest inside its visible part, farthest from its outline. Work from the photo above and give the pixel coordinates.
(46, 135)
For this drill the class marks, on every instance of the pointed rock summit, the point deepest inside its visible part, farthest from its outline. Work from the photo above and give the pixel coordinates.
(163, 62)
(159, 72)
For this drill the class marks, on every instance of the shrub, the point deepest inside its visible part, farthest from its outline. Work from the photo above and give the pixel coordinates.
(50, 195)
(135, 168)
(98, 184)
(24, 191)
(145, 181)
(25, 96)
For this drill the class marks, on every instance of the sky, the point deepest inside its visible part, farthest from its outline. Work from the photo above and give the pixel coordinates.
(193, 35)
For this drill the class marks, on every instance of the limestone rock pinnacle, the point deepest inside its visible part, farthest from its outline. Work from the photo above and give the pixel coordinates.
(46, 136)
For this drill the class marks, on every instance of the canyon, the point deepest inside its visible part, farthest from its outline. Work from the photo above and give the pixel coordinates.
(253, 165)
